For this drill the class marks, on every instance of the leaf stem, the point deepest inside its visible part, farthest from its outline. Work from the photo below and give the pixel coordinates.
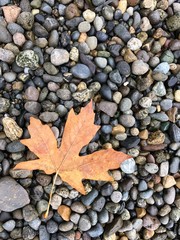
(50, 196)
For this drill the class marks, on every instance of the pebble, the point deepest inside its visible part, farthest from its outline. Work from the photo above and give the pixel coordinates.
(81, 71)
(4, 105)
(168, 181)
(27, 58)
(96, 231)
(84, 223)
(121, 31)
(48, 117)
(145, 102)
(6, 55)
(113, 227)
(26, 20)
(127, 120)
(5, 35)
(150, 222)
(134, 44)
(151, 168)
(59, 57)
(159, 89)
(177, 95)
(9, 225)
(84, 27)
(128, 166)
(162, 68)
(98, 23)
(14, 195)
(101, 62)
(173, 22)
(89, 15)
(107, 107)
(125, 104)
(139, 67)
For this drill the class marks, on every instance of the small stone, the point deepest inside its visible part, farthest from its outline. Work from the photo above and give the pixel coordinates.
(14, 195)
(89, 15)
(113, 227)
(173, 22)
(107, 107)
(127, 120)
(98, 204)
(64, 94)
(83, 96)
(78, 207)
(116, 196)
(4, 105)
(129, 56)
(81, 71)
(59, 57)
(11, 129)
(162, 68)
(164, 169)
(29, 213)
(9, 225)
(48, 117)
(145, 102)
(156, 138)
(134, 44)
(27, 58)
(84, 27)
(139, 67)
(150, 222)
(96, 231)
(84, 223)
(151, 168)
(72, 11)
(125, 104)
(122, 6)
(5, 36)
(26, 20)
(31, 94)
(98, 23)
(159, 89)
(74, 54)
(101, 62)
(177, 95)
(11, 13)
(121, 31)
(128, 166)
(91, 42)
(6, 55)
(168, 181)
(166, 104)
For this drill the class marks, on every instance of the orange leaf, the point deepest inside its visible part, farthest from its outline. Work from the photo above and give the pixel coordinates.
(65, 161)
(65, 212)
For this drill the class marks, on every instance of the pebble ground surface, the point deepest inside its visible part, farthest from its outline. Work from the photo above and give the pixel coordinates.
(56, 55)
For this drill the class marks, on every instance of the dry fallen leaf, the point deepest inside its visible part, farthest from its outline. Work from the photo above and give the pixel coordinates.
(65, 161)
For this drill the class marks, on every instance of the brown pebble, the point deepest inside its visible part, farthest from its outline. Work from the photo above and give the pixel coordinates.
(72, 11)
(172, 114)
(141, 212)
(144, 134)
(148, 234)
(152, 148)
(156, 138)
(82, 37)
(118, 129)
(11, 129)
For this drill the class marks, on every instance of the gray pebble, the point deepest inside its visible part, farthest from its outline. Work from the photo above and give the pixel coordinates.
(151, 168)
(9, 225)
(125, 104)
(127, 120)
(84, 223)
(128, 166)
(81, 71)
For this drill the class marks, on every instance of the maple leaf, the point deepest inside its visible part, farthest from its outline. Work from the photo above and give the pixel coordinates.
(65, 161)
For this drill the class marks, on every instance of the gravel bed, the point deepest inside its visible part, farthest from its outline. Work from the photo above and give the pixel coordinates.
(56, 55)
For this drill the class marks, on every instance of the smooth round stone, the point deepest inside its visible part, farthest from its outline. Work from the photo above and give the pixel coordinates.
(177, 95)
(81, 71)
(50, 68)
(32, 107)
(52, 226)
(96, 231)
(124, 68)
(48, 117)
(64, 94)
(89, 15)
(151, 168)
(174, 165)
(108, 12)
(125, 104)
(145, 102)
(164, 168)
(84, 27)
(9, 76)
(91, 42)
(169, 195)
(78, 207)
(162, 67)
(167, 56)
(139, 67)
(127, 120)
(9, 225)
(128, 166)
(31, 94)
(166, 104)
(159, 89)
(116, 196)
(101, 62)
(84, 223)
(134, 44)
(90, 197)
(59, 57)
(142, 185)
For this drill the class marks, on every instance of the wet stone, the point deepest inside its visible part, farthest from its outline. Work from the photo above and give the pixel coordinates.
(81, 71)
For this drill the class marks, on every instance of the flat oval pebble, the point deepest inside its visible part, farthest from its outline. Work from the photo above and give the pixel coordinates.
(81, 71)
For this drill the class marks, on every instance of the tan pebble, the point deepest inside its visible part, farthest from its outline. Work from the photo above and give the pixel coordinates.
(89, 15)
(118, 129)
(122, 5)
(107, 146)
(163, 4)
(158, 107)
(11, 129)
(148, 234)
(12, 47)
(172, 114)
(112, 237)
(156, 179)
(141, 212)
(134, 131)
(168, 181)
(173, 66)
(156, 138)
(115, 185)
(82, 86)
(82, 37)
(132, 30)
(19, 39)
(142, 36)
(11, 13)
(150, 184)
(177, 95)
(17, 86)
(35, 11)
(144, 134)
(123, 238)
